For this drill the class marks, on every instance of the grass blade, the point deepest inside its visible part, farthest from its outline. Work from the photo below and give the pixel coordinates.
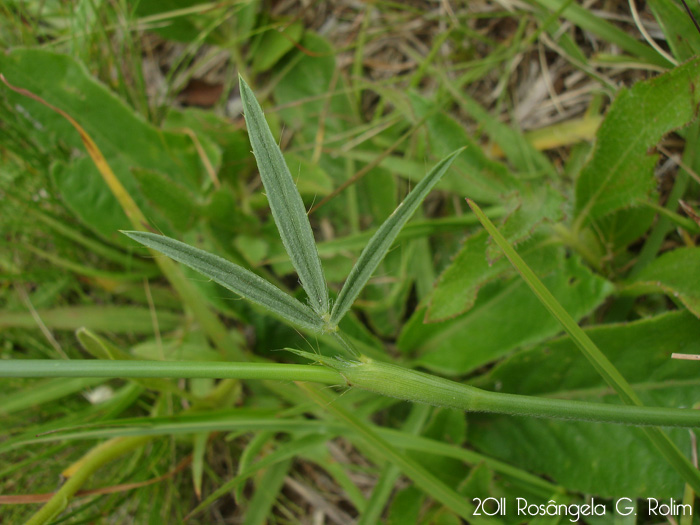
(285, 203)
(599, 361)
(380, 243)
(236, 278)
(424, 479)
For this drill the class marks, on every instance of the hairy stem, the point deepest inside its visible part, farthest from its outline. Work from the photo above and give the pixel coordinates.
(375, 376)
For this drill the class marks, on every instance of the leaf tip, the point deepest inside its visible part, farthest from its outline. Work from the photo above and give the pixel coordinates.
(134, 235)
(243, 86)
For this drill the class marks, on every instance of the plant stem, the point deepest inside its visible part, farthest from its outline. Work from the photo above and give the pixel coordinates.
(395, 381)
(167, 369)
(382, 378)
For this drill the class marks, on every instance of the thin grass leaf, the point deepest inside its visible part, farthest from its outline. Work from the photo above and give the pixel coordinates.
(285, 203)
(424, 479)
(381, 241)
(236, 278)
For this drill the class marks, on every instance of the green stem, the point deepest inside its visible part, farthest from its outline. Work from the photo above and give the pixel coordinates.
(375, 376)
(556, 408)
(168, 369)
(395, 381)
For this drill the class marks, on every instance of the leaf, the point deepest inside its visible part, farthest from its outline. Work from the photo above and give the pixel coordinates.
(676, 273)
(126, 142)
(311, 179)
(586, 457)
(233, 277)
(305, 86)
(381, 241)
(620, 172)
(587, 20)
(506, 316)
(274, 44)
(480, 178)
(172, 199)
(519, 151)
(285, 203)
(681, 35)
(119, 319)
(267, 491)
(527, 208)
(471, 269)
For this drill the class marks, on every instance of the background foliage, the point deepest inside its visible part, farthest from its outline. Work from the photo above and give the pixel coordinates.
(581, 144)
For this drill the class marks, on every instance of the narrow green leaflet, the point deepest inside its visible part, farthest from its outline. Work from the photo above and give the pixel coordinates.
(380, 243)
(234, 277)
(619, 173)
(285, 203)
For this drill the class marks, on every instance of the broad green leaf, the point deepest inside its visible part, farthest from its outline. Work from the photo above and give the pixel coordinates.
(233, 277)
(380, 243)
(285, 203)
(406, 506)
(676, 273)
(586, 457)
(311, 179)
(526, 209)
(619, 229)
(457, 287)
(620, 170)
(506, 315)
(123, 137)
(226, 145)
(304, 87)
(172, 199)
(274, 44)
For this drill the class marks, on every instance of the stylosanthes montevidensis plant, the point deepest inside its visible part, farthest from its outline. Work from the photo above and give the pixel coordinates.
(290, 216)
